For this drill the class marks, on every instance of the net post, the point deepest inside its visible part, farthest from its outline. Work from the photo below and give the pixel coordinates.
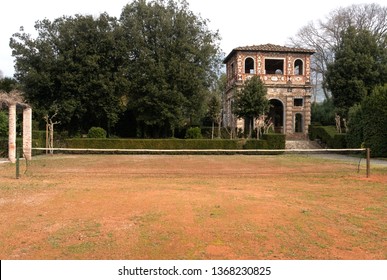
(17, 163)
(368, 160)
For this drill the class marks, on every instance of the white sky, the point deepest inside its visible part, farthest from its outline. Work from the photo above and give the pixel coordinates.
(240, 22)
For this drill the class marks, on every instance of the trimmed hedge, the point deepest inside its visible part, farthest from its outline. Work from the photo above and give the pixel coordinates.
(38, 141)
(270, 141)
(329, 136)
(156, 144)
(254, 144)
(275, 141)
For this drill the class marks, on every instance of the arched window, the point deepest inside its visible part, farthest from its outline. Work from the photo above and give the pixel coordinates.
(298, 67)
(249, 66)
(298, 123)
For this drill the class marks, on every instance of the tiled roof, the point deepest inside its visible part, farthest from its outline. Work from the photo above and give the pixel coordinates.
(268, 48)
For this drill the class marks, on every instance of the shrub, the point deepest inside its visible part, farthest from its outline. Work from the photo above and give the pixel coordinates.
(275, 140)
(193, 133)
(254, 144)
(355, 137)
(163, 144)
(329, 136)
(374, 112)
(96, 132)
(3, 124)
(323, 113)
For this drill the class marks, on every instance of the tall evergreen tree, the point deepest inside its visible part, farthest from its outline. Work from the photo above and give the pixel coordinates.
(359, 66)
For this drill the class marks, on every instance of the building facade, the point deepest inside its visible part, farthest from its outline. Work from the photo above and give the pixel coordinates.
(285, 72)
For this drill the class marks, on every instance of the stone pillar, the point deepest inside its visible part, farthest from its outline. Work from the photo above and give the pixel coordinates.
(12, 133)
(27, 133)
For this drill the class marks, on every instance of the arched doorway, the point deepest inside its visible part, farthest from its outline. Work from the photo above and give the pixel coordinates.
(276, 113)
(298, 123)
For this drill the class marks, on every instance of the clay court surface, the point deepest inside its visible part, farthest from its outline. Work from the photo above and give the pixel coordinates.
(192, 207)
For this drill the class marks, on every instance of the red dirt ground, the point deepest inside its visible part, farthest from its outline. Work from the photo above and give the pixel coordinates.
(191, 207)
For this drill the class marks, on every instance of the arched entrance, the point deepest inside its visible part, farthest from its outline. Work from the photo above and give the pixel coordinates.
(276, 113)
(298, 123)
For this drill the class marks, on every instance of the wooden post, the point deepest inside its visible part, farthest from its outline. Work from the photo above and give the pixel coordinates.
(46, 139)
(18, 163)
(368, 155)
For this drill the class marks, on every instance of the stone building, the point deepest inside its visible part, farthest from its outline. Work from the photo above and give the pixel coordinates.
(285, 72)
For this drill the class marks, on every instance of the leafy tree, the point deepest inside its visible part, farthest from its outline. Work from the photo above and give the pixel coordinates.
(368, 123)
(323, 113)
(360, 65)
(173, 59)
(214, 110)
(8, 84)
(3, 124)
(251, 101)
(374, 109)
(325, 35)
(73, 67)
(355, 133)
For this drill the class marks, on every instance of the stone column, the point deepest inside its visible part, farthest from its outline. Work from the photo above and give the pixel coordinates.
(27, 133)
(12, 133)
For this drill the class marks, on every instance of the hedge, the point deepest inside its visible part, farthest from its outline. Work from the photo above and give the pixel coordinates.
(270, 141)
(329, 136)
(38, 141)
(275, 141)
(154, 144)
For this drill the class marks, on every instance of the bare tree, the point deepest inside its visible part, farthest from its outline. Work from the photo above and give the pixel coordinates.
(50, 131)
(324, 35)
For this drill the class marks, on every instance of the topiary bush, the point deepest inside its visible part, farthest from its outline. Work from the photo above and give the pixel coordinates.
(193, 133)
(96, 132)
(355, 137)
(329, 136)
(374, 109)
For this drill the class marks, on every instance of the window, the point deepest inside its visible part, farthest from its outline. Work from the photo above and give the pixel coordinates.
(298, 102)
(232, 69)
(249, 66)
(274, 66)
(298, 67)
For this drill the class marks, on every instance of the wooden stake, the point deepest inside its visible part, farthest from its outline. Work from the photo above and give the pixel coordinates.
(368, 154)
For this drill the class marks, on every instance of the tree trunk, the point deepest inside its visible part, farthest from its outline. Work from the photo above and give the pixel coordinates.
(212, 130)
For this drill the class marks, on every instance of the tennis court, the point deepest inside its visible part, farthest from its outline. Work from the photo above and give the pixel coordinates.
(192, 207)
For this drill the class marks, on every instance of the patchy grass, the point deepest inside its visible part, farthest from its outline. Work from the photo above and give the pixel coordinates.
(192, 207)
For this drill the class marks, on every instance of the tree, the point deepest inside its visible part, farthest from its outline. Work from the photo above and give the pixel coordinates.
(325, 35)
(251, 101)
(3, 123)
(368, 123)
(173, 59)
(74, 65)
(359, 66)
(374, 110)
(214, 111)
(8, 84)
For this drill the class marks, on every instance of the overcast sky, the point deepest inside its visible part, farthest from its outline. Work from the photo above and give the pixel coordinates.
(240, 22)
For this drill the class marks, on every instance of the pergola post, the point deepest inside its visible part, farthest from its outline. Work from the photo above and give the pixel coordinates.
(12, 132)
(27, 132)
